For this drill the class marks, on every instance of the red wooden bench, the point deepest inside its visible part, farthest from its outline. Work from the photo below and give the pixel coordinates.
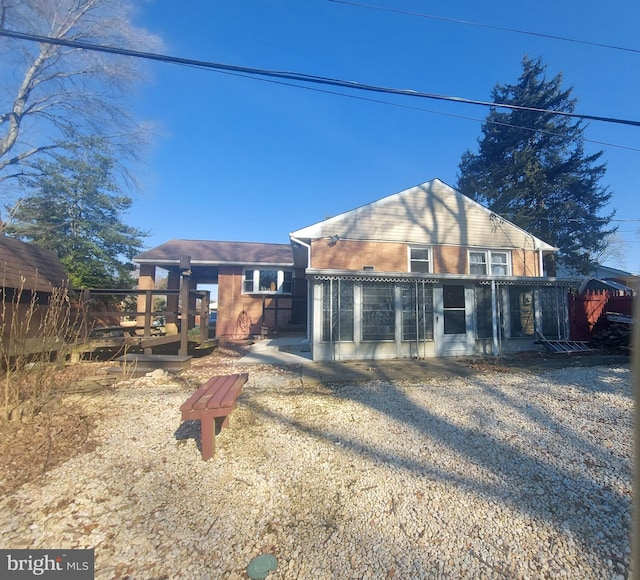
(212, 403)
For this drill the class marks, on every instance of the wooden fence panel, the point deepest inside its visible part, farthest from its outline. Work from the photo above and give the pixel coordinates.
(587, 311)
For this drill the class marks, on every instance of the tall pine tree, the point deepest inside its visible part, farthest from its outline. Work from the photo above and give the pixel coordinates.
(531, 168)
(76, 210)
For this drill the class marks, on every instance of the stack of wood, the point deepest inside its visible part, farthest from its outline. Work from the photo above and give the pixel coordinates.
(616, 333)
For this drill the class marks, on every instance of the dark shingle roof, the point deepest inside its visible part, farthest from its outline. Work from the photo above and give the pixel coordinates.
(39, 267)
(216, 253)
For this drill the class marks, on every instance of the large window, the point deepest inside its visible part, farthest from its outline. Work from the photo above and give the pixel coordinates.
(420, 260)
(417, 311)
(378, 311)
(337, 310)
(267, 282)
(482, 262)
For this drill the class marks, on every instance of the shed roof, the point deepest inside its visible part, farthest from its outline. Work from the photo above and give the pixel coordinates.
(29, 267)
(213, 253)
(430, 213)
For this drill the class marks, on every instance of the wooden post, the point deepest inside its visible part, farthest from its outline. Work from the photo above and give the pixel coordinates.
(204, 318)
(146, 281)
(173, 283)
(185, 275)
(148, 308)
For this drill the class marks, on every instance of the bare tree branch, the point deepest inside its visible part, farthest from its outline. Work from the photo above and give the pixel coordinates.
(61, 89)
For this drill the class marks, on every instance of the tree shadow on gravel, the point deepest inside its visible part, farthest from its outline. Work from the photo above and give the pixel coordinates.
(569, 498)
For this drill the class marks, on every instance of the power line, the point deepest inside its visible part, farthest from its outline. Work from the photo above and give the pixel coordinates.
(301, 77)
(423, 110)
(482, 25)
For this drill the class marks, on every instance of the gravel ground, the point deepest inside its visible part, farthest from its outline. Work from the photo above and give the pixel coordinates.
(498, 475)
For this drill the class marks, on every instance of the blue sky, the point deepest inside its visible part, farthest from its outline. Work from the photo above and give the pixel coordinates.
(246, 160)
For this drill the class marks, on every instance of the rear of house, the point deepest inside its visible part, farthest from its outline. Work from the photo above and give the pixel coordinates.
(427, 272)
(420, 273)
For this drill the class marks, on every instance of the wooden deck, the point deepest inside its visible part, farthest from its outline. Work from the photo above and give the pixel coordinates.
(116, 333)
(121, 344)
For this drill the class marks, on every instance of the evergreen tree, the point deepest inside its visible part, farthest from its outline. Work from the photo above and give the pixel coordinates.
(531, 168)
(76, 211)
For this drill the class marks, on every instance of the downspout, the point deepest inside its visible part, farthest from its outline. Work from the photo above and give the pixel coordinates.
(309, 301)
(417, 313)
(424, 318)
(494, 318)
(541, 262)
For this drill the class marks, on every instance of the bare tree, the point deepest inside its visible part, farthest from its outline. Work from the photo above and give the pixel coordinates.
(51, 95)
(614, 250)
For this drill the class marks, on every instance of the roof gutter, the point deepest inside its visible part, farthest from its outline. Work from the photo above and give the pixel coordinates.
(308, 246)
(161, 263)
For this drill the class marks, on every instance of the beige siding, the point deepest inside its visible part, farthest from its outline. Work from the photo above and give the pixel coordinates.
(432, 213)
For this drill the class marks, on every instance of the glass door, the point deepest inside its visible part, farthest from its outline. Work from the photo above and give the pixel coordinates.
(453, 310)
(454, 320)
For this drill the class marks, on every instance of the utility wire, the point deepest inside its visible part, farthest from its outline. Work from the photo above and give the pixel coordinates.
(301, 77)
(423, 110)
(482, 25)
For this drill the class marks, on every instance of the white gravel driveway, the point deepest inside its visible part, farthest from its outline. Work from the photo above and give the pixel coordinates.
(499, 475)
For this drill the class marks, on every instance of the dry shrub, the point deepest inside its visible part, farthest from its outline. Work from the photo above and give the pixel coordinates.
(36, 331)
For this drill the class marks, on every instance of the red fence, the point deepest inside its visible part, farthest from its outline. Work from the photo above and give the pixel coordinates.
(587, 311)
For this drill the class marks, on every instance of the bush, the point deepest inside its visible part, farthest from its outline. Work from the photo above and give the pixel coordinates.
(36, 331)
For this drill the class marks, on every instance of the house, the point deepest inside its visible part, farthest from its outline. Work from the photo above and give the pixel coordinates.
(423, 272)
(259, 286)
(29, 274)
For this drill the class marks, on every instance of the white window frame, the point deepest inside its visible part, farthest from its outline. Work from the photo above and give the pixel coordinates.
(429, 259)
(506, 263)
(489, 262)
(255, 281)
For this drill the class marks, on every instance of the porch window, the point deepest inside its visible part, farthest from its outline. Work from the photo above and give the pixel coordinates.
(420, 260)
(417, 312)
(481, 262)
(483, 311)
(378, 312)
(337, 311)
(267, 282)
(521, 311)
(553, 303)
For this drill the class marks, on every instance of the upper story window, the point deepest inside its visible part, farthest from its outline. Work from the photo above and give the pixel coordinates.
(420, 260)
(483, 262)
(267, 282)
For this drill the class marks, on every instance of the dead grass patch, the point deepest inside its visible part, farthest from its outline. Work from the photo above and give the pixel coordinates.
(29, 450)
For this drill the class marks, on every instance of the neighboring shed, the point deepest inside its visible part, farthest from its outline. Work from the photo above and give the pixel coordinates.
(28, 274)
(29, 267)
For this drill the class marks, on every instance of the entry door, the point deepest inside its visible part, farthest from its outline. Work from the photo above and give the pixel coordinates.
(454, 320)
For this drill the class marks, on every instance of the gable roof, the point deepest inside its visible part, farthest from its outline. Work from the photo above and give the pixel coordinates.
(430, 213)
(206, 252)
(29, 267)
